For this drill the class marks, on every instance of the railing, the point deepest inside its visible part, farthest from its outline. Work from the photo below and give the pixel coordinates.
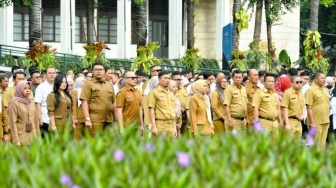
(69, 59)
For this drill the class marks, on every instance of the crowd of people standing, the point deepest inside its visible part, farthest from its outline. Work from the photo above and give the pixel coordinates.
(165, 103)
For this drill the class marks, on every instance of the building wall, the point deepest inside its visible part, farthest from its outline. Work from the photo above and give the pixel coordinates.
(205, 28)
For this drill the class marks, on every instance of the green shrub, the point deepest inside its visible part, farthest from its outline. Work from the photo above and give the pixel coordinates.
(113, 161)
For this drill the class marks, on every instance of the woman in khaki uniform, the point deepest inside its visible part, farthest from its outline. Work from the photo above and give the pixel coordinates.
(173, 86)
(59, 104)
(23, 117)
(200, 110)
(217, 101)
(78, 116)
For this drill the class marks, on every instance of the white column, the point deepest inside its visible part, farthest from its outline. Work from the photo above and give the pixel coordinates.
(6, 25)
(222, 15)
(175, 29)
(128, 25)
(67, 25)
(121, 27)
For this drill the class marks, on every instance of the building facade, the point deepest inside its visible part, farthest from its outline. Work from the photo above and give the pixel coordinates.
(64, 27)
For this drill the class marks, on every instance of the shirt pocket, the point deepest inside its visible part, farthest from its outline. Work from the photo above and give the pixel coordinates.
(95, 92)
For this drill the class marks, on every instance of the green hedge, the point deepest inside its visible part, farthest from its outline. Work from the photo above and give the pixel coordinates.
(112, 161)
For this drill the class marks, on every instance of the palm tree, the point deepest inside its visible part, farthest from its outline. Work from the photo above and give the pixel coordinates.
(141, 22)
(235, 32)
(191, 24)
(89, 21)
(35, 25)
(314, 9)
(258, 19)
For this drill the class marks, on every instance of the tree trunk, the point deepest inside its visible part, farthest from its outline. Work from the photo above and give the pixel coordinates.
(257, 22)
(35, 23)
(89, 21)
(191, 24)
(314, 9)
(235, 32)
(268, 27)
(141, 23)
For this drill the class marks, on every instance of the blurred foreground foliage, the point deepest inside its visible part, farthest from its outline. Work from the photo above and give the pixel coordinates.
(114, 161)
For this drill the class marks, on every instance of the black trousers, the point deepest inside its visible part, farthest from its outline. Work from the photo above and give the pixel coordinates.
(44, 129)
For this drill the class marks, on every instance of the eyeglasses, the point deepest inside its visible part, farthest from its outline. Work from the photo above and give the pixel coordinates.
(133, 78)
(224, 82)
(177, 80)
(158, 70)
(37, 77)
(299, 82)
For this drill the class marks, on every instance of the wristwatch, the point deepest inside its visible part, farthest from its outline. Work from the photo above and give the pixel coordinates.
(6, 132)
(87, 119)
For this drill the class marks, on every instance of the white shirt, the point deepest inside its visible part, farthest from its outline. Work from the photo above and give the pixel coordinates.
(333, 111)
(185, 81)
(41, 93)
(260, 85)
(10, 82)
(212, 87)
(116, 89)
(305, 88)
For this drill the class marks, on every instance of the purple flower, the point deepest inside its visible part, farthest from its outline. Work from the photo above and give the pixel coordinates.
(257, 126)
(310, 140)
(183, 159)
(312, 131)
(234, 132)
(190, 142)
(119, 155)
(149, 147)
(75, 186)
(66, 180)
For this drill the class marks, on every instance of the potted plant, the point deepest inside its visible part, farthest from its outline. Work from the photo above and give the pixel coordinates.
(94, 53)
(146, 57)
(191, 60)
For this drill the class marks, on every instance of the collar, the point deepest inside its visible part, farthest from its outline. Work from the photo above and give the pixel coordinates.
(129, 88)
(163, 89)
(293, 90)
(267, 90)
(98, 81)
(317, 86)
(251, 84)
(239, 87)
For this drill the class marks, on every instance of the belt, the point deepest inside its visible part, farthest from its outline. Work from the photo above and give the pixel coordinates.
(293, 117)
(240, 118)
(166, 120)
(269, 119)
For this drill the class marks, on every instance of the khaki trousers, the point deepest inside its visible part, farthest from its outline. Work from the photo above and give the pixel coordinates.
(296, 130)
(239, 126)
(99, 128)
(166, 128)
(321, 135)
(220, 126)
(270, 127)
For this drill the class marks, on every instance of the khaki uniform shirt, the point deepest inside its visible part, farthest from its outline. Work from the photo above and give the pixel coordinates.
(62, 112)
(236, 99)
(198, 114)
(267, 102)
(318, 98)
(2, 93)
(163, 102)
(130, 100)
(182, 94)
(100, 98)
(294, 102)
(251, 89)
(18, 119)
(8, 95)
(77, 110)
(217, 106)
(3, 120)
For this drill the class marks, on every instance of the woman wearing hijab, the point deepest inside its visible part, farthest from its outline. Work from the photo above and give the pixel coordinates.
(217, 101)
(173, 86)
(59, 104)
(282, 84)
(23, 117)
(70, 82)
(78, 115)
(200, 109)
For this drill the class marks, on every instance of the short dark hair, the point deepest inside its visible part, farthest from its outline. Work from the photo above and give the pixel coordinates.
(233, 67)
(163, 73)
(300, 69)
(85, 74)
(317, 74)
(31, 75)
(206, 74)
(292, 72)
(107, 68)
(174, 73)
(19, 72)
(293, 78)
(185, 71)
(236, 72)
(97, 64)
(268, 74)
(83, 69)
(15, 67)
(32, 69)
(118, 70)
(2, 77)
(151, 68)
(116, 74)
(262, 73)
(304, 73)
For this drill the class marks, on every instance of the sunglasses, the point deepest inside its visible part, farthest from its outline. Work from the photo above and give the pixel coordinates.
(299, 82)
(133, 78)
(177, 80)
(37, 77)
(159, 70)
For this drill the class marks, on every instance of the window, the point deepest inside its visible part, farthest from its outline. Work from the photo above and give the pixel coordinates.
(107, 30)
(51, 28)
(80, 29)
(20, 27)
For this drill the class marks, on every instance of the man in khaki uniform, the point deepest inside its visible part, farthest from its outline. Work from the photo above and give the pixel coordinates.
(3, 85)
(98, 101)
(235, 103)
(293, 109)
(251, 87)
(266, 107)
(128, 103)
(182, 95)
(161, 103)
(318, 104)
(9, 93)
